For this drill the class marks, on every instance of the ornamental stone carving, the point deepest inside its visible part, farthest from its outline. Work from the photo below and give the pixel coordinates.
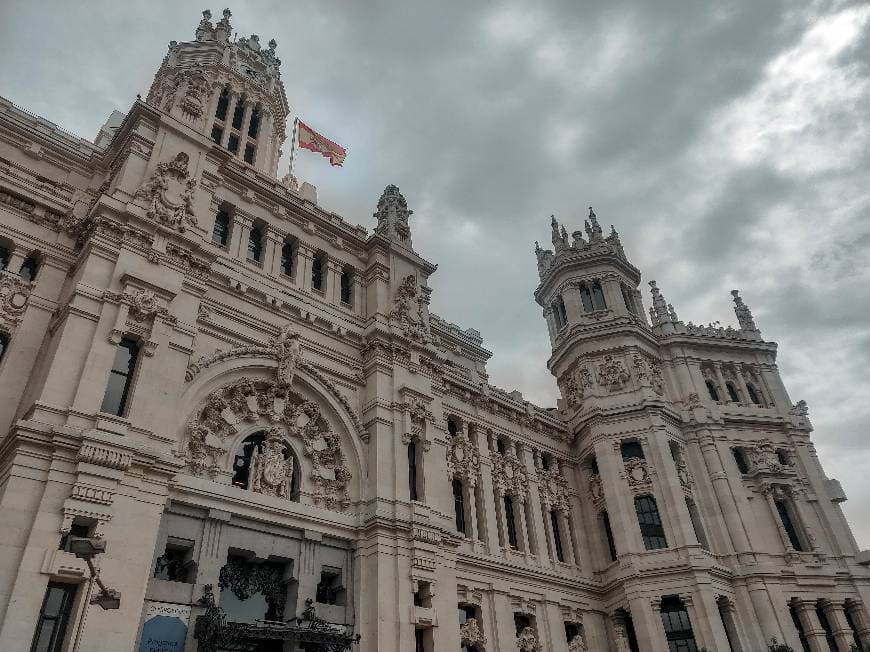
(463, 459)
(683, 472)
(407, 316)
(765, 458)
(509, 475)
(577, 384)
(637, 473)
(210, 431)
(392, 215)
(288, 351)
(648, 372)
(527, 641)
(168, 194)
(418, 414)
(14, 296)
(596, 489)
(553, 488)
(143, 305)
(471, 634)
(576, 644)
(272, 467)
(612, 373)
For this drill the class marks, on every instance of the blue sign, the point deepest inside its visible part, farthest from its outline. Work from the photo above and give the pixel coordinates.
(165, 628)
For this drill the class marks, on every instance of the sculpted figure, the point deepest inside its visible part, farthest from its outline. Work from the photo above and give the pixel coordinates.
(271, 472)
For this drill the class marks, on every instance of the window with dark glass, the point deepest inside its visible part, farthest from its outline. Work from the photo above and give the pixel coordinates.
(753, 394)
(82, 530)
(249, 153)
(826, 627)
(4, 257)
(628, 298)
(740, 460)
(732, 392)
(511, 522)
(782, 457)
(711, 390)
(521, 621)
(287, 258)
(630, 632)
(598, 302)
(220, 232)
(678, 627)
(572, 631)
(560, 313)
(233, 143)
(412, 469)
(500, 446)
(418, 640)
(728, 624)
(631, 449)
(121, 378)
(650, 522)
(29, 268)
(217, 134)
(608, 535)
(466, 613)
(557, 536)
(242, 461)
(53, 618)
(799, 627)
(452, 428)
(593, 465)
(254, 125)
(586, 298)
(317, 272)
(459, 505)
(345, 286)
(239, 114)
(222, 105)
(4, 344)
(787, 523)
(255, 244)
(329, 589)
(176, 562)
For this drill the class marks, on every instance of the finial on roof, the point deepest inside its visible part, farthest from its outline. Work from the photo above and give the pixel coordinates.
(661, 311)
(744, 314)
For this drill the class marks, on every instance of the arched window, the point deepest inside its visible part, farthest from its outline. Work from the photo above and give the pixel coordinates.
(220, 232)
(753, 394)
(586, 298)
(459, 505)
(29, 268)
(732, 392)
(117, 394)
(255, 244)
(287, 258)
(346, 281)
(242, 463)
(712, 391)
(678, 627)
(598, 302)
(650, 522)
(317, 272)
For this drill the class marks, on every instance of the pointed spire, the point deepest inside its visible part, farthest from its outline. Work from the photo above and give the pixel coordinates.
(660, 312)
(558, 241)
(595, 234)
(744, 314)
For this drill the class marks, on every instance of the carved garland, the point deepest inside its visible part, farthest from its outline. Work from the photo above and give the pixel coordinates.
(509, 475)
(554, 490)
(463, 460)
(168, 193)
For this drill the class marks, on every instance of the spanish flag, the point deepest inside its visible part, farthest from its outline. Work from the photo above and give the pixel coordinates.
(310, 139)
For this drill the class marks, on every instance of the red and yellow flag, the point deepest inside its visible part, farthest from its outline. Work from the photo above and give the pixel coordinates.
(310, 139)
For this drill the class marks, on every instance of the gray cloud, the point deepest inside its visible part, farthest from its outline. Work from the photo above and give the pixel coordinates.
(726, 141)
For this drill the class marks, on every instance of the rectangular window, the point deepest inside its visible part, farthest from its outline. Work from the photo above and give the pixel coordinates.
(412, 469)
(418, 640)
(233, 143)
(287, 259)
(4, 345)
(650, 523)
(222, 105)
(255, 245)
(631, 449)
(317, 273)
(598, 301)
(557, 537)
(459, 505)
(254, 125)
(788, 524)
(220, 232)
(217, 134)
(329, 589)
(511, 522)
(740, 460)
(53, 617)
(238, 115)
(75, 530)
(345, 286)
(608, 534)
(521, 621)
(121, 378)
(249, 154)
(826, 627)
(176, 562)
(586, 298)
(678, 627)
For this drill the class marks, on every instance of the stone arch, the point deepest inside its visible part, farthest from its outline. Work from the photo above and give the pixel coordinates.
(231, 398)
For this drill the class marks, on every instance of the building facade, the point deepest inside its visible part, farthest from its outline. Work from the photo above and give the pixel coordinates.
(247, 399)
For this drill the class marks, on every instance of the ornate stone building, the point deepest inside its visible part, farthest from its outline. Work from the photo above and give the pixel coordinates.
(247, 399)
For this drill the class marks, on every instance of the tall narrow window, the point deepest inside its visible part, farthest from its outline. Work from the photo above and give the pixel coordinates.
(826, 627)
(712, 391)
(4, 256)
(697, 526)
(630, 632)
(220, 232)
(459, 505)
(608, 535)
(799, 627)
(29, 268)
(53, 617)
(317, 272)
(650, 522)
(732, 392)
(287, 258)
(452, 428)
(254, 125)
(630, 449)
(598, 302)
(788, 524)
(511, 522)
(233, 143)
(255, 244)
(740, 460)
(239, 113)
(557, 536)
(345, 285)
(217, 134)
(628, 298)
(560, 313)
(222, 105)
(500, 446)
(4, 344)
(753, 394)
(418, 640)
(249, 153)
(586, 298)
(678, 627)
(121, 378)
(726, 615)
(412, 469)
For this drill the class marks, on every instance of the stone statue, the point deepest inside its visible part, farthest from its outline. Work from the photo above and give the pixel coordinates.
(288, 350)
(271, 472)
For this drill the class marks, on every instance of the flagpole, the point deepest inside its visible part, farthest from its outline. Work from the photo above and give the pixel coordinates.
(293, 145)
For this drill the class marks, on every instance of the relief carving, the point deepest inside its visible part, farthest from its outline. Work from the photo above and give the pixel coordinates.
(471, 634)
(168, 194)
(612, 373)
(463, 459)
(271, 471)
(509, 475)
(554, 491)
(409, 317)
(14, 296)
(528, 641)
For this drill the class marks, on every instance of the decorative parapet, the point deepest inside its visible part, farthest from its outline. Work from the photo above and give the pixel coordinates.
(105, 457)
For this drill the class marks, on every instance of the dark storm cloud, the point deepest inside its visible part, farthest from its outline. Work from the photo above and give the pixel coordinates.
(726, 141)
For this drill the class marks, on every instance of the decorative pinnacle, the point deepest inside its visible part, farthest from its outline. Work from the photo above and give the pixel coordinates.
(661, 312)
(206, 15)
(744, 314)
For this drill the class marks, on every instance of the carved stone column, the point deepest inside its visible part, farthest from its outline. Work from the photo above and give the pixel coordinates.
(813, 632)
(211, 109)
(763, 609)
(490, 498)
(837, 620)
(243, 132)
(720, 380)
(858, 614)
(724, 496)
(304, 258)
(228, 120)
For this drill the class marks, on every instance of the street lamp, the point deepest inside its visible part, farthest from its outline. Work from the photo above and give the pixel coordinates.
(87, 548)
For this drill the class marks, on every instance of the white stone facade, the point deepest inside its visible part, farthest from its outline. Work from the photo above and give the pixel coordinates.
(296, 425)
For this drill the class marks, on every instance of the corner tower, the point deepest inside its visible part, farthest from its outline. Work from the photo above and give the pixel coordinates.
(229, 90)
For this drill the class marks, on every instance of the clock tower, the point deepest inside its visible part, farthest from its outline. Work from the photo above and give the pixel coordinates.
(228, 89)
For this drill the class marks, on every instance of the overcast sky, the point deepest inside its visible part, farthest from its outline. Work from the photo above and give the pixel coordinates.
(727, 141)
